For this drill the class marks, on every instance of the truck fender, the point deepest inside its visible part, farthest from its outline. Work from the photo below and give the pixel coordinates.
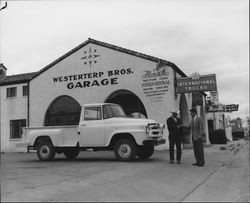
(42, 138)
(137, 135)
(53, 135)
(121, 135)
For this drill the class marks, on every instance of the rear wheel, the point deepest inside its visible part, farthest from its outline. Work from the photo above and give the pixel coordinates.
(45, 151)
(145, 152)
(125, 150)
(71, 153)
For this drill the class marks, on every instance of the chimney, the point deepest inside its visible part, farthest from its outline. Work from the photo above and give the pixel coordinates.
(3, 70)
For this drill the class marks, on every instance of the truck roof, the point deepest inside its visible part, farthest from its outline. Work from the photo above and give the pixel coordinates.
(97, 104)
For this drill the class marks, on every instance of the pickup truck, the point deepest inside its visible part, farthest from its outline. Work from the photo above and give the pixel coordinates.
(102, 126)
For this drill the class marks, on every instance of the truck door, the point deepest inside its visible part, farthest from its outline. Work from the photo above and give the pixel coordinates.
(91, 127)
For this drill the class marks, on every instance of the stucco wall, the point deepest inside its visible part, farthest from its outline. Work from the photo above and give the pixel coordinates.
(11, 109)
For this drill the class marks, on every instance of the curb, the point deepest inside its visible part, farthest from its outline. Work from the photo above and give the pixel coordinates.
(235, 147)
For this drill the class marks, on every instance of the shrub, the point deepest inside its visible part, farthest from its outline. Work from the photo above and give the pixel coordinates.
(217, 136)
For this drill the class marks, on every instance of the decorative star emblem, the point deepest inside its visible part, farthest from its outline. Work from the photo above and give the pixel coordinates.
(195, 76)
(90, 57)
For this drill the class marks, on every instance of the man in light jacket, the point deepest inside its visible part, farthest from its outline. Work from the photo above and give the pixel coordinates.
(197, 130)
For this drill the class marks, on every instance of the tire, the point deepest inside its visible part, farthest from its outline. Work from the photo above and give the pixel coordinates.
(71, 153)
(45, 151)
(125, 150)
(144, 152)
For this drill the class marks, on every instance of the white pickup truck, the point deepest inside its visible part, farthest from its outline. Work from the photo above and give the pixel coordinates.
(102, 126)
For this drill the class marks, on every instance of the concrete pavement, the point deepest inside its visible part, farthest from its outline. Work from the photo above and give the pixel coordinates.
(230, 182)
(97, 176)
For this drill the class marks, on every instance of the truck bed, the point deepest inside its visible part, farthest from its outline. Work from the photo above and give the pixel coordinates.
(68, 134)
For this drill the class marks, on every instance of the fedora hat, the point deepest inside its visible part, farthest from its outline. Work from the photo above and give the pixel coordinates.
(174, 111)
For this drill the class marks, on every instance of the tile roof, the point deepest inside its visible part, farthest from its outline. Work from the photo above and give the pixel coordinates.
(17, 79)
(1, 65)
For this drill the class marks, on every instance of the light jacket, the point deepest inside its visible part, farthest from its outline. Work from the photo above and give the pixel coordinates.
(197, 128)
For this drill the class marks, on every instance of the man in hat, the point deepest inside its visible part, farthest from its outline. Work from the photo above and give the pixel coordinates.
(174, 128)
(197, 130)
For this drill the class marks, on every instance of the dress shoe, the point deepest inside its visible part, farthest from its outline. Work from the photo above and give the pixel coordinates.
(171, 162)
(200, 165)
(195, 164)
(178, 162)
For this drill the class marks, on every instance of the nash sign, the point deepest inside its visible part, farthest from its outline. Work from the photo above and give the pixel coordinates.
(215, 108)
(222, 108)
(196, 83)
(231, 107)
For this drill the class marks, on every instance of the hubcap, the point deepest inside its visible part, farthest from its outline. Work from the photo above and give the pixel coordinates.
(44, 151)
(124, 150)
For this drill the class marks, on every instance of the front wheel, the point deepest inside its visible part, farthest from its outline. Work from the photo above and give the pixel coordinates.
(125, 150)
(71, 153)
(145, 152)
(45, 151)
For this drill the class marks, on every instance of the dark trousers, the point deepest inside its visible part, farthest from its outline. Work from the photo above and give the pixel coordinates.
(174, 140)
(198, 151)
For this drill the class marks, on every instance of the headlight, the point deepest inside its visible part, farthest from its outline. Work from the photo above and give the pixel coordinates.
(147, 129)
(163, 128)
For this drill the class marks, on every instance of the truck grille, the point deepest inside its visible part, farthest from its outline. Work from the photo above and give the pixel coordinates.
(155, 130)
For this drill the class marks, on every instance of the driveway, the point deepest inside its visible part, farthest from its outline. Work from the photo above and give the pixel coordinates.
(98, 176)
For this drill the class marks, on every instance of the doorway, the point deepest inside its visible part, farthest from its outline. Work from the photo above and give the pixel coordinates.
(64, 110)
(130, 102)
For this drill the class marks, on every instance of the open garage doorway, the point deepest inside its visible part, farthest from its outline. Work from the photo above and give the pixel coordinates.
(64, 110)
(131, 103)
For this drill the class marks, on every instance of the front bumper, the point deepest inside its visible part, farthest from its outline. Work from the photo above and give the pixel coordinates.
(154, 142)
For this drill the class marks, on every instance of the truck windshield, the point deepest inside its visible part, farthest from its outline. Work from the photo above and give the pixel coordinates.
(110, 111)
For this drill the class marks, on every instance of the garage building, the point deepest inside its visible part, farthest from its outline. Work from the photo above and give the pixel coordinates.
(92, 72)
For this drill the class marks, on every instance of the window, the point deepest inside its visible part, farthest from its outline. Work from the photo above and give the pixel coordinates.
(92, 113)
(110, 111)
(16, 128)
(25, 90)
(11, 92)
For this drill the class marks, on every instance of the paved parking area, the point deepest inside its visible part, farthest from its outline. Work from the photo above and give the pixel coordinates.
(98, 176)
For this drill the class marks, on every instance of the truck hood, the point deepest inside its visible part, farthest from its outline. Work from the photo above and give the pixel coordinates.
(131, 120)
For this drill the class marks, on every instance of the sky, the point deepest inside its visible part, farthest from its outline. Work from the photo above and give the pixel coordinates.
(204, 36)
